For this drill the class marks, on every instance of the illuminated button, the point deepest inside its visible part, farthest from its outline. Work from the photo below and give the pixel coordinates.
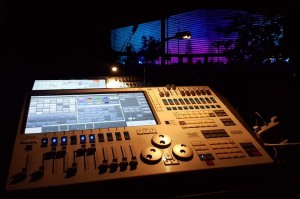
(91, 138)
(44, 142)
(206, 157)
(63, 140)
(82, 139)
(54, 141)
(73, 140)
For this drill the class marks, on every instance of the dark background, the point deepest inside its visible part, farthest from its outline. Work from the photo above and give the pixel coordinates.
(56, 39)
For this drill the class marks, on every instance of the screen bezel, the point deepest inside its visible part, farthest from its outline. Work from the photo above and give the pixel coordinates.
(25, 109)
(68, 80)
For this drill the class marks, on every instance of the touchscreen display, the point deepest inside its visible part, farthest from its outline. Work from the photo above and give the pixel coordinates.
(53, 113)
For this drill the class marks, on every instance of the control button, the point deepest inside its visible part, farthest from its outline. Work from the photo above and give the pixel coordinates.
(19, 177)
(114, 165)
(73, 139)
(101, 137)
(109, 136)
(161, 140)
(126, 135)
(167, 93)
(118, 136)
(63, 140)
(60, 154)
(103, 167)
(123, 164)
(71, 171)
(183, 152)
(28, 147)
(48, 155)
(133, 163)
(80, 152)
(91, 138)
(54, 141)
(90, 151)
(151, 155)
(173, 86)
(208, 92)
(37, 175)
(82, 139)
(168, 86)
(206, 157)
(44, 142)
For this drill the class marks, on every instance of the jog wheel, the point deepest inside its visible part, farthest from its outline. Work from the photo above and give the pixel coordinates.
(151, 155)
(161, 140)
(183, 152)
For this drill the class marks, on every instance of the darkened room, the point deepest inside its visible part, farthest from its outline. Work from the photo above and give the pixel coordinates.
(242, 57)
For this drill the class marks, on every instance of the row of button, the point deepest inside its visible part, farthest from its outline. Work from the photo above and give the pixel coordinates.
(83, 139)
(186, 93)
(191, 107)
(184, 101)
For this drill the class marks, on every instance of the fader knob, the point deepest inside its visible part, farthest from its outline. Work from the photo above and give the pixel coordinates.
(168, 86)
(183, 152)
(161, 140)
(37, 175)
(19, 177)
(151, 155)
(173, 86)
(70, 172)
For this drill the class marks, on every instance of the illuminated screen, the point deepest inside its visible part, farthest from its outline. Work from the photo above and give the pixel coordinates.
(53, 113)
(68, 84)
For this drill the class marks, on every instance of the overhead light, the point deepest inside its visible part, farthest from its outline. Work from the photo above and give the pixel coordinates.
(114, 69)
(181, 35)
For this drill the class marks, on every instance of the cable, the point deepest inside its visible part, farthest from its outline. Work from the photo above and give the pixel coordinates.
(282, 144)
(260, 118)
